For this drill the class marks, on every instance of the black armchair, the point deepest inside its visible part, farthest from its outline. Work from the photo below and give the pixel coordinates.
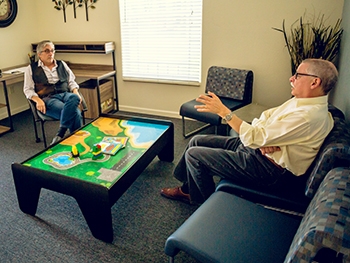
(41, 118)
(233, 86)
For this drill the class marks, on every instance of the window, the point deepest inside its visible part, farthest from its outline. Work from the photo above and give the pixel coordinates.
(161, 40)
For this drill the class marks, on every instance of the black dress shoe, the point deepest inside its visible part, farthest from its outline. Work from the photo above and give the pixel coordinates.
(55, 139)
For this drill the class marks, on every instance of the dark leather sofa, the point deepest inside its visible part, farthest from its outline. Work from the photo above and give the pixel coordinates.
(311, 224)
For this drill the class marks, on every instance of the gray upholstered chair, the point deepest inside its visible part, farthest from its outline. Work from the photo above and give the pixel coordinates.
(233, 86)
(41, 118)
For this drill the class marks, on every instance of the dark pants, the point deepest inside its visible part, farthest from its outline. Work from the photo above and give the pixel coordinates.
(64, 107)
(207, 156)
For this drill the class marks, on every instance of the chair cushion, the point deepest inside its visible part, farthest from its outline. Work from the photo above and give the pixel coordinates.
(44, 117)
(187, 110)
(38, 116)
(227, 228)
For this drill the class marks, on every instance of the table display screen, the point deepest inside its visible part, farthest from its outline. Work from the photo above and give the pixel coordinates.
(101, 151)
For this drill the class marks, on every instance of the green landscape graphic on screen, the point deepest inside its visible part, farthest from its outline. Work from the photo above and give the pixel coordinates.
(101, 151)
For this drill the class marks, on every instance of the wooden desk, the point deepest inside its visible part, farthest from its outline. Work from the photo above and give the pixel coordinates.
(8, 79)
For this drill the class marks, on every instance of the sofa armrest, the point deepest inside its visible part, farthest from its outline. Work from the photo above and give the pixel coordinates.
(326, 223)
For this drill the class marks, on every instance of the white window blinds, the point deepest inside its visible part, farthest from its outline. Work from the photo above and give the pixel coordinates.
(161, 40)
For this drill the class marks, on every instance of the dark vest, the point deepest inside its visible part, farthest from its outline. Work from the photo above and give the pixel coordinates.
(42, 86)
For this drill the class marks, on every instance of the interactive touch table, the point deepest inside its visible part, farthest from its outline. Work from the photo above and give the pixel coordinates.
(95, 183)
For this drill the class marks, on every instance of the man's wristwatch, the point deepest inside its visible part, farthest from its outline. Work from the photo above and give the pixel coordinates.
(228, 117)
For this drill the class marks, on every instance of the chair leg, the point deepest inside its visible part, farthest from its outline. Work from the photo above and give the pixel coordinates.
(37, 139)
(83, 117)
(43, 133)
(171, 260)
(186, 135)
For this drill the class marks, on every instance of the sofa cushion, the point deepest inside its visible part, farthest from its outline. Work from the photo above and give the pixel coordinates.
(326, 222)
(334, 152)
(335, 111)
(226, 228)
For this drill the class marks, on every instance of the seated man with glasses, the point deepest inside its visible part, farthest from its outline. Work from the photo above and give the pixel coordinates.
(272, 151)
(51, 85)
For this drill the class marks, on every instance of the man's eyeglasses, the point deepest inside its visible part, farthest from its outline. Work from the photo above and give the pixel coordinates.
(48, 51)
(296, 75)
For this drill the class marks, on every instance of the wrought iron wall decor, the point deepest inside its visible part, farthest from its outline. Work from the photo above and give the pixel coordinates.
(62, 5)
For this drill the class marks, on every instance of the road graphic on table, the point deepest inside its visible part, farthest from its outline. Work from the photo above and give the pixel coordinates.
(107, 169)
(64, 160)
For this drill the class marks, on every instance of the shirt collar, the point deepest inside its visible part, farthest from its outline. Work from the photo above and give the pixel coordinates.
(314, 100)
(41, 64)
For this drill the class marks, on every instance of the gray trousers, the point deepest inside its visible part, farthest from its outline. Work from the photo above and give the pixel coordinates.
(207, 156)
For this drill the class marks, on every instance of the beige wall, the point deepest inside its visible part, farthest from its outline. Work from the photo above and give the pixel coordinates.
(341, 97)
(235, 34)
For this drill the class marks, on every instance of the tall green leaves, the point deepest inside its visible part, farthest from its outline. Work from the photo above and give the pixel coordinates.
(312, 40)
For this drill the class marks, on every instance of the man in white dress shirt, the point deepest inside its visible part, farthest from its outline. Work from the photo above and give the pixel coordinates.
(273, 150)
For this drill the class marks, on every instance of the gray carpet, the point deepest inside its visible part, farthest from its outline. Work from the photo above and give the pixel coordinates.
(142, 219)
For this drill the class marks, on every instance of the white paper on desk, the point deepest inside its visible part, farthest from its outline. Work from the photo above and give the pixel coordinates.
(15, 70)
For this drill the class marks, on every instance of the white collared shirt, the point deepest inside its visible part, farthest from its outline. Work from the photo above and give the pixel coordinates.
(298, 127)
(52, 76)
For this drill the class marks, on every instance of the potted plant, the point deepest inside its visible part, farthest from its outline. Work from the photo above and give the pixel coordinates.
(312, 40)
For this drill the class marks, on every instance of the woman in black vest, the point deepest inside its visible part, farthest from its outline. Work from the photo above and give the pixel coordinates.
(51, 85)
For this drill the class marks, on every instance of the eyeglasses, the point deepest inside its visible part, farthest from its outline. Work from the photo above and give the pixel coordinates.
(48, 51)
(305, 74)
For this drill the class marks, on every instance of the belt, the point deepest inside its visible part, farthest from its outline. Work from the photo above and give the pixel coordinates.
(272, 161)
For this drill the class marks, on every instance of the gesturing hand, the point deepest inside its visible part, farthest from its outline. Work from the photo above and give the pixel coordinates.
(211, 103)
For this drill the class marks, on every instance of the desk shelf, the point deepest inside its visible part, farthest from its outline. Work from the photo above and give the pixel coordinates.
(82, 47)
